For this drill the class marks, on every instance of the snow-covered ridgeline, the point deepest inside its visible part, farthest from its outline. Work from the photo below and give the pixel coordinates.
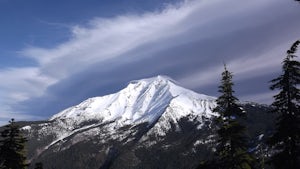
(141, 101)
(158, 101)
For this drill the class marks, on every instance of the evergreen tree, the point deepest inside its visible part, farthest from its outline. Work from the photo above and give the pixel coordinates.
(12, 147)
(231, 151)
(285, 141)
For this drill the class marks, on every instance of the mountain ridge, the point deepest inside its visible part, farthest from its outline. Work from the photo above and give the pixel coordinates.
(141, 101)
(152, 115)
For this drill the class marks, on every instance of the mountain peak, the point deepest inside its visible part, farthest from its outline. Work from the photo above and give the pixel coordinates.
(144, 100)
(159, 78)
(162, 81)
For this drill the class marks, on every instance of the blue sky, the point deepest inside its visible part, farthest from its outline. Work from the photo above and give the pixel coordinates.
(55, 54)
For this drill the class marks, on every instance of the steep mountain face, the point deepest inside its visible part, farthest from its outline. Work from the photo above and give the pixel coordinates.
(150, 124)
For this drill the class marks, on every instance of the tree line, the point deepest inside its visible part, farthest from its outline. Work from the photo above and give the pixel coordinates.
(12, 148)
(232, 150)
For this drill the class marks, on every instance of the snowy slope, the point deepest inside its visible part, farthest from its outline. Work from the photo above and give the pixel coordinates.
(157, 101)
(141, 101)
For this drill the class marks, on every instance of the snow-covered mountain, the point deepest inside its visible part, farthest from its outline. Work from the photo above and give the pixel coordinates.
(141, 101)
(154, 113)
(145, 100)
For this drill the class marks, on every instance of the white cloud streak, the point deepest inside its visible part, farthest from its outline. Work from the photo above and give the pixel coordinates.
(105, 39)
(265, 97)
(246, 67)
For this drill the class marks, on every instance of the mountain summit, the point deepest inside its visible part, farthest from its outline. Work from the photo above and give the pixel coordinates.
(148, 124)
(141, 101)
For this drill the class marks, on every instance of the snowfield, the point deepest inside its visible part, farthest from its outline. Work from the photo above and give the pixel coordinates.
(158, 101)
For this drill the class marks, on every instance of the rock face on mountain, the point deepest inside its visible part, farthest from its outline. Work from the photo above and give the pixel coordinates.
(152, 123)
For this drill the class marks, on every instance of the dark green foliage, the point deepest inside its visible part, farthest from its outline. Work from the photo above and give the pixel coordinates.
(231, 151)
(12, 148)
(38, 165)
(286, 139)
(207, 165)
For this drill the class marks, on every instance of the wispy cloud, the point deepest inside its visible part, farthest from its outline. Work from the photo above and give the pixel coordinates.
(245, 67)
(104, 39)
(22, 83)
(266, 97)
